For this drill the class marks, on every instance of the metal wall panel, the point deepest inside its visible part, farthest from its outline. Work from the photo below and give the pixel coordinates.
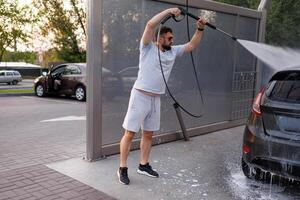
(218, 63)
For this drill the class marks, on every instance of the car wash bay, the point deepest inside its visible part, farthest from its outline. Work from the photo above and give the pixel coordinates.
(228, 74)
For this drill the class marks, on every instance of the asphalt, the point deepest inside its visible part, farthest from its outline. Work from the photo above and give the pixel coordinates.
(24, 84)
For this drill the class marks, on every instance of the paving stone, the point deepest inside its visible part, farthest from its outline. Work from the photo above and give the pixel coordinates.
(43, 183)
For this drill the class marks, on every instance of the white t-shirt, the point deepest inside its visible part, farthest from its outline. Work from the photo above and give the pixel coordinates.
(150, 78)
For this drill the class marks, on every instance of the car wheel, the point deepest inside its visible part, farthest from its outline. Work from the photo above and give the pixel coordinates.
(40, 90)
(15, 82)
(80, 93)
(246, 169)
(252, 172)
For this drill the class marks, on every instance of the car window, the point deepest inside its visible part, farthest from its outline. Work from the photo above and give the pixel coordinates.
(16, 73)
(58, 70)
(9, 73)
(288, 91)
(2, 73)
(71, 70)
(130, 72)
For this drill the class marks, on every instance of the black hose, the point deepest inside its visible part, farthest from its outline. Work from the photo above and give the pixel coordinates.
(164, 78)
(185, 12)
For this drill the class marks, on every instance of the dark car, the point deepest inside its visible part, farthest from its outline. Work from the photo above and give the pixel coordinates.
(272, 134)
(128, 76)
(70, 79)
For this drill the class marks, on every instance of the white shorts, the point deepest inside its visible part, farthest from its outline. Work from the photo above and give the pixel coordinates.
(143, 112)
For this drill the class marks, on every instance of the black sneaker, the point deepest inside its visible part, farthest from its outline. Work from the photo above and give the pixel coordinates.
(123, 175)
(147, 170)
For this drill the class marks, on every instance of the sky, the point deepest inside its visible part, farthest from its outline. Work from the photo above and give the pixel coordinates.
(22, 2)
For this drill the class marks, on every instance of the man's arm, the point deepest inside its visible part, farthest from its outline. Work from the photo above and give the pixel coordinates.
(152, 23)
(190, 46)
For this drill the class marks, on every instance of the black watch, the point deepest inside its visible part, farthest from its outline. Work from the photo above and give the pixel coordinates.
(200, 29)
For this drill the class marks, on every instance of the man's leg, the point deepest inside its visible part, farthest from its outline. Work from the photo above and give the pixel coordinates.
(145, 145)
(125, 146)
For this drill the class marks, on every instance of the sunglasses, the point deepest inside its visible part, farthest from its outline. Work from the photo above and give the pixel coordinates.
(170, 38)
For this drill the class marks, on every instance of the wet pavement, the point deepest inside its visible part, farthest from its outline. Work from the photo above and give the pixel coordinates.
(207, 167)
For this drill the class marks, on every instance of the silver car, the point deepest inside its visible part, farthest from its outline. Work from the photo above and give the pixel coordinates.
(10, 77)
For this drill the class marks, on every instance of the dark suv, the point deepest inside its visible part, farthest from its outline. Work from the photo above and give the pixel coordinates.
(272, 133)
(70, 79)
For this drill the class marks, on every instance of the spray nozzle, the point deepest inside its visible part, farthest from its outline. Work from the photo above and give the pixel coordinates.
(185, 12)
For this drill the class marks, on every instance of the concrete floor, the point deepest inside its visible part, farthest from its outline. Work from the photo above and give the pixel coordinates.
(188, 170)
(207, 167)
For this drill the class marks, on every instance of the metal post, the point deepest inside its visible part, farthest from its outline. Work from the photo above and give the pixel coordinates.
(94, 69)
(179, 116)
(263, 6)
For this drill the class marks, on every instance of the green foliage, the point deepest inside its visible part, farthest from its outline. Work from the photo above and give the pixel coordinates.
(28, 57)
(283, 27)
(13, 19)
(5, 91)
(66, 25)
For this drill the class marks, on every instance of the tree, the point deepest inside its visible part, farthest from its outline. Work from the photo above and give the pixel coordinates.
(67, 25)
(283, 26)
(13, 19)
(28, 57)
(283, 18)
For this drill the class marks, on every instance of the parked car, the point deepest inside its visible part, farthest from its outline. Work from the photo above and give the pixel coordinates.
(272, 133)
(128, 76)
(70, 79)
(10, 77)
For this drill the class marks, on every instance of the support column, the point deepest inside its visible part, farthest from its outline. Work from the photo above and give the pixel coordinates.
(263, 6)
(94, 69)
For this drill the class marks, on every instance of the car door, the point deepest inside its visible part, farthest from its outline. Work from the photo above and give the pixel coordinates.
(9, 77)
(69, 79)
(129, 76)
(55, 74)
(2, 77)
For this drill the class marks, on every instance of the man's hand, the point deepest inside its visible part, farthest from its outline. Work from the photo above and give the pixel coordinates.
(191, 45)
(154, 21)
(201, 23)
(175, 11)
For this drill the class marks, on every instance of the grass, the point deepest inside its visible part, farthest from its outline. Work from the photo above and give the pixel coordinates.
(6, 91)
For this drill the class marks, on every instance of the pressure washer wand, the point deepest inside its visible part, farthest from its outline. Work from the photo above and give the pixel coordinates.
(184, 12)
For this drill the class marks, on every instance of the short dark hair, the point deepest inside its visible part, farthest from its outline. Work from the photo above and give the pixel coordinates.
(163, 30)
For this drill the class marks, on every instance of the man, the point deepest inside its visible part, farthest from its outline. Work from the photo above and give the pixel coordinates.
(144, 104)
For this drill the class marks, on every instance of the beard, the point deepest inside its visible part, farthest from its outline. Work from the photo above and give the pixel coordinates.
(166, 47)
